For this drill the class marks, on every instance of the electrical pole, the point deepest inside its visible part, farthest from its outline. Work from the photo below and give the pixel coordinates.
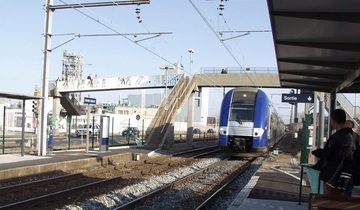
(49, 10)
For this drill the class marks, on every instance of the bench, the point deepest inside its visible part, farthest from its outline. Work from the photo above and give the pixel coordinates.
(331, 202)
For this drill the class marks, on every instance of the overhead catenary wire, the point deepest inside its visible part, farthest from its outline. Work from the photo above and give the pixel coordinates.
(143, 47)
(109, 27)
(236, 43)
(116, 31)
(222, 42)
(97, 20)
(160, 37)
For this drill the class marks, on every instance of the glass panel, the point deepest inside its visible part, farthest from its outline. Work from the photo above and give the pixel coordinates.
(244, 114)
(242, 107)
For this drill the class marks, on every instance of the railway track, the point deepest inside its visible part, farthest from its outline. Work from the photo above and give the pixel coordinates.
(32, 194)
(199, 198)
(224, 185)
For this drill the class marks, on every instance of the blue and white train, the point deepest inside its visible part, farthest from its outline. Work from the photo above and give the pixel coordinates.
(248, 122)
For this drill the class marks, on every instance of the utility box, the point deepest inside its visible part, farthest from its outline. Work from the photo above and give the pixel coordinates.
(104, 133)
(50, 142)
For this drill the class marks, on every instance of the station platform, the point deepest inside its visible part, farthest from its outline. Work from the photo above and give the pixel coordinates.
(15, 165)
(276, 190)
(272, 190)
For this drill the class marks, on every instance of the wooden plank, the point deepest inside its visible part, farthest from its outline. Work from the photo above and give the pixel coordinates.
(331, 202)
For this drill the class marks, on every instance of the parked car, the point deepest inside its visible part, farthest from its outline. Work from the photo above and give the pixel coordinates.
(196, 131)
(131, 130)
(82, 130)
(210, 131)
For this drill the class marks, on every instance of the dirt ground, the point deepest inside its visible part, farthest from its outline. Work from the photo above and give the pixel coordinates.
(286, 154)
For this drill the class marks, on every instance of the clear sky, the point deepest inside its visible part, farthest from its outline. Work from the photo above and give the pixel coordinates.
(192, 23)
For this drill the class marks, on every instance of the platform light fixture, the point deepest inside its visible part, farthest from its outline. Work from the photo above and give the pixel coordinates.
(191, 51)
(166, 68)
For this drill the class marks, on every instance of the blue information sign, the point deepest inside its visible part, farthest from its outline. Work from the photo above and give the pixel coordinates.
(88, 100)
(297, 98)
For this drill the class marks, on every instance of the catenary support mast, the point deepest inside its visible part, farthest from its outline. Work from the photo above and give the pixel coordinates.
(49, 10)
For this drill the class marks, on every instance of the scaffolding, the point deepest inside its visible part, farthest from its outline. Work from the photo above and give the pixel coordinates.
(72, 69)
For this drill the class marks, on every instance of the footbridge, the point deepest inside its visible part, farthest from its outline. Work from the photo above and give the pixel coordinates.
(267, 78)
(182, 87)
(160, 130)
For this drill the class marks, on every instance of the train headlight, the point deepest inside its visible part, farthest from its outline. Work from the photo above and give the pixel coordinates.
(258, 131)
(222, 130)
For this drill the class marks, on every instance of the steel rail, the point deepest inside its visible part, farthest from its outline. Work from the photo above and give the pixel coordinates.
(216, 194)
(56, 195)
(143, 199)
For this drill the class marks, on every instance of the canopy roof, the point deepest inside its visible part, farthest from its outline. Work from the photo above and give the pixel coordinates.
(18, 96)
(317, 44)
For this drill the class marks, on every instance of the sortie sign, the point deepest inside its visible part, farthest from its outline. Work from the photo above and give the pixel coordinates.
(298, 98)
(88, 100)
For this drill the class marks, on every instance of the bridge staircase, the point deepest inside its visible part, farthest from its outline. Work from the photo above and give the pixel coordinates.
(351, 110)
(71, 105)
(160, 127)
(342, 102)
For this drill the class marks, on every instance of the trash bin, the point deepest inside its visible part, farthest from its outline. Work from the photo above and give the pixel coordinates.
(50, 142)
(138, 142)
(313, 176)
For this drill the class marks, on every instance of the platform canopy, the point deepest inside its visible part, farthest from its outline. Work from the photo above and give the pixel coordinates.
(23, 98)
(18, 96)
(317, 44)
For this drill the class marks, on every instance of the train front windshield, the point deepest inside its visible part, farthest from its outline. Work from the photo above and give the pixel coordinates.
(242, 107)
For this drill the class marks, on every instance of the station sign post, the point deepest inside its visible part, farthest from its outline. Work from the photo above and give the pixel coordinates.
(297, 98)
(89, 101)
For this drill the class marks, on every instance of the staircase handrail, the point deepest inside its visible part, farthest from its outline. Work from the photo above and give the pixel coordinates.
(171, 103)
(159, 114)
(163, 103)
(190, 85)
(192, 82)
(77, 106)
(345, 103)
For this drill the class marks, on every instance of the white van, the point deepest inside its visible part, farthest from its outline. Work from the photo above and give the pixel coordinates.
(81, 131)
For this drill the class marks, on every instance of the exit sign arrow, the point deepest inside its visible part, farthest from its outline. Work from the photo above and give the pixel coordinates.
(297, 98)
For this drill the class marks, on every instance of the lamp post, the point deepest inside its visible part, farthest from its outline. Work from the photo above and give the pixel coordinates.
(355, 108)
(291, 110)
(166, 68)
(166, 80)
(291, 117)
(190, 51)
